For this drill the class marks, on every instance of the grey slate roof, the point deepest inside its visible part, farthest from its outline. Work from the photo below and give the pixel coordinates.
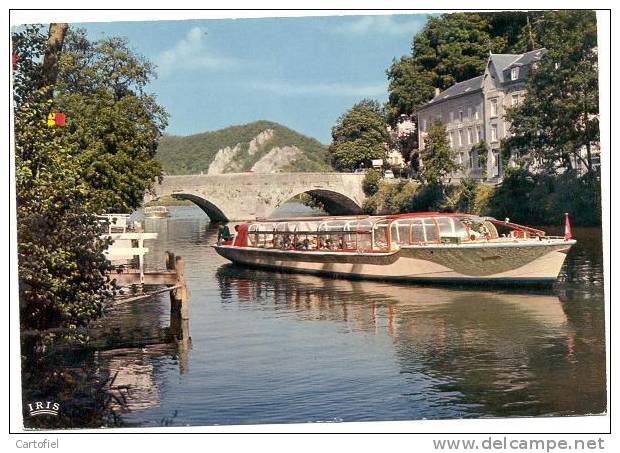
(529, 58)
(466, 86)
(501, 61)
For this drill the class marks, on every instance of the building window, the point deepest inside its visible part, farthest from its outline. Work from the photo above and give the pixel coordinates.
(461, 116)
(476, 114)
(472, 159)
(494, 132)
(424, 124)
(470, 134)
(514, 73)
(493, 107)
(460, 137)
(478, 133)
(515, 100)
(497, 163)
(468, 112)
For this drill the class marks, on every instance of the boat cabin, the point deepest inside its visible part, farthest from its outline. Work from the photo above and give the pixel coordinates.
(374, 234)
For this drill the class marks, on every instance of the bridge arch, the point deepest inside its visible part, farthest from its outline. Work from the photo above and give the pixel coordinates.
(334, 203)
(215, 213)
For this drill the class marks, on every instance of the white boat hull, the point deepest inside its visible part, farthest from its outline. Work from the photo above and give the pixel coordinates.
(531, 262)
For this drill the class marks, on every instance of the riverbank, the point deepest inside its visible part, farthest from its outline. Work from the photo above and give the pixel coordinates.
(523, 197)
(168, 200)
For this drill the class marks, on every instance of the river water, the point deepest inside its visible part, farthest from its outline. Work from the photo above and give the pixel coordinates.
(273, 348)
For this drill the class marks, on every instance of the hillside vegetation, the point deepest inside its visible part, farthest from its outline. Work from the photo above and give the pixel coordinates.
(262, 146)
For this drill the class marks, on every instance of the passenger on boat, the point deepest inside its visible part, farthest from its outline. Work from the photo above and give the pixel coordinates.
(223, 233)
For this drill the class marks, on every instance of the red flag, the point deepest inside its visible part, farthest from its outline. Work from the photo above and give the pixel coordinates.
(568, 231)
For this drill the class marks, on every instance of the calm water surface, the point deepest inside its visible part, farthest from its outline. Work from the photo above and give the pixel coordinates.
(269, 348)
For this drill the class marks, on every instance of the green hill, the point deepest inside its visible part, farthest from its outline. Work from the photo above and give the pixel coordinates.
(262, 146)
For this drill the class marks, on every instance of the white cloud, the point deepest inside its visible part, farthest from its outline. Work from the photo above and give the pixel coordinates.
(381, 24)
(284, 88)
(189, 53)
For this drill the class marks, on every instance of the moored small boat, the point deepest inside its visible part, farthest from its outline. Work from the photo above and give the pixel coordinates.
(424, 247)
(156, 212)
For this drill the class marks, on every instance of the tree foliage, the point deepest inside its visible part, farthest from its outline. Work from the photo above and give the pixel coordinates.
(359, 136)
(60, 254)
(451, 48)
(559, 116)
(113, 123)
(101, 161)
(370, 183)
(437, 158)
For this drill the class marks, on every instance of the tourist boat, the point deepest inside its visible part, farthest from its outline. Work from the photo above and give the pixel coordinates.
(418, 247)
(156, 212)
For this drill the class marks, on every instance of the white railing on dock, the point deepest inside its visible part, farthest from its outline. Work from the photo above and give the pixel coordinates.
(127, 246)
(117, 223)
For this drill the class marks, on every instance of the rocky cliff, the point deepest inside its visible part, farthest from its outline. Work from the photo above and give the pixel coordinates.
(262, 147)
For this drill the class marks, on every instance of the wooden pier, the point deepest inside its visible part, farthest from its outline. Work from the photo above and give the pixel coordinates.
(172, 278)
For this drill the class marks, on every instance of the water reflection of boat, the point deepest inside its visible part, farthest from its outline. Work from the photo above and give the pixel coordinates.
(470, 351)
(423, 247)
(314, 292)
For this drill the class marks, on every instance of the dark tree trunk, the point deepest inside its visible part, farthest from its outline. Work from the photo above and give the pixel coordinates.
(56, 37)
(589, 156)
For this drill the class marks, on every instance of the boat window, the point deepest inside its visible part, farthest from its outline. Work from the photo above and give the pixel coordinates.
(417, 232)
(459, 229)
(380, 230)
(333, 225)
(445, 225)
(282, 226)
(395, 234)
(430, 230)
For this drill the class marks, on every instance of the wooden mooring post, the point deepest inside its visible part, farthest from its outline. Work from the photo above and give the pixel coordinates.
(173, 278)
(179, 296)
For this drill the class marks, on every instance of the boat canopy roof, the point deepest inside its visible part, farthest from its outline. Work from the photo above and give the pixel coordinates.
(368, 223)
(353, 223)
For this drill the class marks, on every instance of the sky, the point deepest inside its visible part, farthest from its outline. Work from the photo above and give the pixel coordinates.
(300, 72)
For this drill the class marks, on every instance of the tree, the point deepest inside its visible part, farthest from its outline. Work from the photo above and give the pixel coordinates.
(558, 118)
(409, 87)
(62, 281)
(370, 183)
(437, 159)
(102, 160)
(451, 48)
(114, 124)
(359, 136)
(482, 152)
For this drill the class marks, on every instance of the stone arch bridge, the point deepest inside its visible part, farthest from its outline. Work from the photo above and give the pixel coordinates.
(247, 196)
